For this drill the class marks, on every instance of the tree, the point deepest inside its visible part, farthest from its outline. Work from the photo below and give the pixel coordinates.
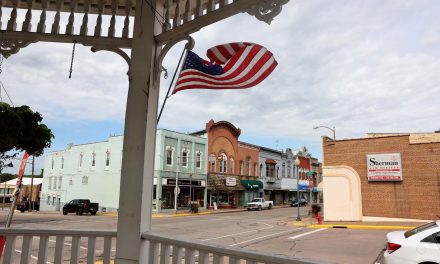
(21, 130)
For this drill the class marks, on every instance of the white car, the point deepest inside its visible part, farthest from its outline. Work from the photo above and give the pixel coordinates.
(420, 245)
(258, 204)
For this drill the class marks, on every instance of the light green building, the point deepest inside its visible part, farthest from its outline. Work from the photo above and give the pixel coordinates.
(93, 171)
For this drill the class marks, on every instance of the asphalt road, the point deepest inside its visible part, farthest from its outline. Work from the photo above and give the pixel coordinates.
(266, 231)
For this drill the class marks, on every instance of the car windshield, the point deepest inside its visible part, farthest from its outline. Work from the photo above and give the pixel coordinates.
(255, 200)
(420, 229)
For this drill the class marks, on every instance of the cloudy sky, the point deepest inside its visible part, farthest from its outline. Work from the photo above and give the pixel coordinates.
(361, 66)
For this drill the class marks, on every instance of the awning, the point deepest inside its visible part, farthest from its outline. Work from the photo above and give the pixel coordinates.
(270, 161)
(252, 184)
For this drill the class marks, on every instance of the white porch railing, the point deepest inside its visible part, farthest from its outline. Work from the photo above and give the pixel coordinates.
(166, 250)
(24, 245)
(35, 245)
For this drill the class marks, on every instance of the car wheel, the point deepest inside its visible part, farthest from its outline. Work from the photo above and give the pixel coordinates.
(93, 213)
(79, 212)
(259, 208)
(64, 212)
(270, 206)
(249, 209)
(22, 210)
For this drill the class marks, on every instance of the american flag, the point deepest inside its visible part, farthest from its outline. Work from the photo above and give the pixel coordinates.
(245, 65)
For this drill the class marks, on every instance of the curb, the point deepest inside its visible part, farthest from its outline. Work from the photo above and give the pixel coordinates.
(362, 227)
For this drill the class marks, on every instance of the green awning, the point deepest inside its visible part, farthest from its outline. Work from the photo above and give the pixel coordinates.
(252, 184)
(311, 172)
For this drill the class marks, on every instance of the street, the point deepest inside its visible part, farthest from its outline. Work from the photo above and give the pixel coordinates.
(265, 231)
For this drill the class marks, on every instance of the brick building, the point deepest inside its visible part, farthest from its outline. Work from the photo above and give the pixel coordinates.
(350, 195)
(233, 166)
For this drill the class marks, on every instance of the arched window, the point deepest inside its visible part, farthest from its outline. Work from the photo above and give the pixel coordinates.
(223, 162)
(199, 159)
(169, 153)
(278, 172)
(212, 160)
(240, 168)
(107, 158)
(261, 170)
(231, 165)
(283, 170)
(255, 169)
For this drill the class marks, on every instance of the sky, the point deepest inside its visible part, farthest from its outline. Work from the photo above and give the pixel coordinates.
(358, 66)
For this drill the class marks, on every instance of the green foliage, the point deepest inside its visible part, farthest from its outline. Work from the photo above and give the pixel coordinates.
(7, 176)
(21, 130)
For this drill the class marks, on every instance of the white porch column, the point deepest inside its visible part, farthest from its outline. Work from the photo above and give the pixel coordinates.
(136, 187)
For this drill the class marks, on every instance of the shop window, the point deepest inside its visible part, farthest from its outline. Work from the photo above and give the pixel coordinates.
(54, 182)
(261, 170)
(270, 170)
(255, 169)
(278, 172)
(199, 159)
(223, 163)
(231, 166)
(52, 164)
(60, 179)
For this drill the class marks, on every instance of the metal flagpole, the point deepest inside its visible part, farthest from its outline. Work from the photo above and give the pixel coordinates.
(171, 85)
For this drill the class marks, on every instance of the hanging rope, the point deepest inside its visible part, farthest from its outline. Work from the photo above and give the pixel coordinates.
(71, 61)
(10, 100)
(171, 85)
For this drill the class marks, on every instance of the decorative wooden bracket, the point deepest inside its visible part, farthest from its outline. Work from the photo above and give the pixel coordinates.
(117, 51)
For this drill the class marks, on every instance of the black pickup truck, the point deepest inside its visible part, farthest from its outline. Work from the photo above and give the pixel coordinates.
(80, 206)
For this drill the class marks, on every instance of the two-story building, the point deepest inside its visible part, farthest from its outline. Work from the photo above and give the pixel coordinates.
(92, 171)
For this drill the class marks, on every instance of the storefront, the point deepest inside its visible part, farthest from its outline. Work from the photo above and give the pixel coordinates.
(254, 189)
(224, 191)
(187, 190)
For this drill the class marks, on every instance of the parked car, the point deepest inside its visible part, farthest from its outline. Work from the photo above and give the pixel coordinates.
(302, 202)
(23, 206)
(259, 204)
(80, 206)
(419, 245)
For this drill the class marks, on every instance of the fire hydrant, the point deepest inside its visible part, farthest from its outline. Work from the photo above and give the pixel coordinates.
(315, 210)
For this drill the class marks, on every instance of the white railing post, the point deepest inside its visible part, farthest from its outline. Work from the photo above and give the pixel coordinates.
(91, 250)
(9, 249)
(74, 253)
(26, 249)
(107, 250)
(59, 245)
(42, 250)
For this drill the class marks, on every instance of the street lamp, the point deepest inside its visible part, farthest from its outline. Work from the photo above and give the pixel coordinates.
(332, 129)
(296, 163)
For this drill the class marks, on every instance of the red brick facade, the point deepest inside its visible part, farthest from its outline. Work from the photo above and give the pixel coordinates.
(416, 197)
(223, 139)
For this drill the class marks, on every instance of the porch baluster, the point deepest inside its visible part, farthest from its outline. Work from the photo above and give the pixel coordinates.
(91, 250)
(27, 22)
(99, 19)
(74, 252)
(165, 253)
(199, 9)
(12, 23)
(125, 30)
(203, 257)
(176, 20)
(56, 21)
(218, 259)
(211, 6)
(190, 256)
(111, 28)
(177, 254)
(59, 249)
(70, 27)
(26, 249)
(187, 15)
(42, 250)
(9, 249)
(41, 27)
(167, 25)
(83, 30)
(107, 250)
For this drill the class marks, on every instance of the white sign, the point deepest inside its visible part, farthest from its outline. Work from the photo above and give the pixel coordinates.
(215, 205)
(231, 181)
(384, 167)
